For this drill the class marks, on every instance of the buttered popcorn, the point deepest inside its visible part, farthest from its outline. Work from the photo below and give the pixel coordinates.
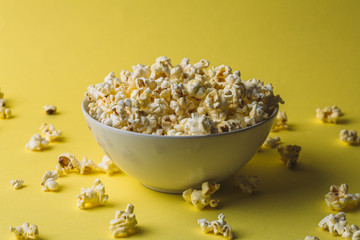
(37, 143)
(328, 114)
(339, 198)
(49, 132)
(93, 196)
(217, 226)
(180, 100)
(202, 198)
(338, 225)
(25, 231)
(124, 223)
(349, 136)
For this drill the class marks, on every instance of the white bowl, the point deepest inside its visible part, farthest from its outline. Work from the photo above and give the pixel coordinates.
(172, 164)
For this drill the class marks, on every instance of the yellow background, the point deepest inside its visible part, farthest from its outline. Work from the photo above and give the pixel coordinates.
(50, 51)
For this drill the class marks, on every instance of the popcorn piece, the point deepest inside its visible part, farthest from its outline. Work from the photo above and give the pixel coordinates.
(328, 114)
(108, 166)
(5, 112)
(339, 199)
(180, 100)
(25, 231)
(350, 137)
(50, 185)
(16, 183)
(202, 198)
(280, 122)
(124, 223)
(2, 102)
(272, 142)
(217, 227)
(49, 132)
(59, 171)
(351, 232)
(68, 162)
(335, 224)
(87, 165)
(247, 184)
(93, 196)
(50, 109)
(49, 174)
(311, 238)
(37, 143)
(289, 155)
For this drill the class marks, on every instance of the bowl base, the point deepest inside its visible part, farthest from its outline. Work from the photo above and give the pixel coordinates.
(168, 191)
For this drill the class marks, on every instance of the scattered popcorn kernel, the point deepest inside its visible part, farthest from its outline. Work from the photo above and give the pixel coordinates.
(49, 132)
(280, 122)
(108, 166)
(350, 136)
(271, 142)
(50, 185)
(247, 184)
(93, 196)
(25, 231)
(49, 174)
(87, 165)
(311, 238)
(50, 109)
(37, 143)
(16, 183)
(5, 112)
(349, 232)
(202, 198)
(217, 227)
(356, 235)
(289, 155)
(124, 223)
(335, 224)
(67, 161)
(59, 171)
(328, 114)
(339, 199)
(180, 100)
(2, 102)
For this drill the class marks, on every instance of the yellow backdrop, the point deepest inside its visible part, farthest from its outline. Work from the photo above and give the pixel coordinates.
(50, 51)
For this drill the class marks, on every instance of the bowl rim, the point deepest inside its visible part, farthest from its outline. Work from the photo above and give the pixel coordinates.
(86, 114)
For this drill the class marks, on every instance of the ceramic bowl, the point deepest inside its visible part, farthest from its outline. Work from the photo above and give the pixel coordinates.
(172, 164)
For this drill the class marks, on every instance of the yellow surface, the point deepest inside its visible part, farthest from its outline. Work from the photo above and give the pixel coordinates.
(50, 51)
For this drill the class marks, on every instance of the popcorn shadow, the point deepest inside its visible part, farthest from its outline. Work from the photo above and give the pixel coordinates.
(281, 182)
(344, 121)
(59, 140)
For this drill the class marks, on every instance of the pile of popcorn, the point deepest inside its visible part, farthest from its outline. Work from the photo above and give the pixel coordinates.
(180, 100)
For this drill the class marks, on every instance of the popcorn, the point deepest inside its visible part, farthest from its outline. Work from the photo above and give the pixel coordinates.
(2, 102)
(48, 182)
(351, 232)
(311, 238)
(16, 183)
(108, 166)
(335, 224)
(328, 114)
(25, 231)
(50, 109)
(180, 100)
(86, 165)
(280, 122)
(4, 112)
(272, 142)
(289, 155)
(124, 223)
(68, 162)
(37, 143)
(49, 132)
(93, 196)
(202, 198)
(247, 184)
(350, 137)
(339, 199)
(217, 227)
